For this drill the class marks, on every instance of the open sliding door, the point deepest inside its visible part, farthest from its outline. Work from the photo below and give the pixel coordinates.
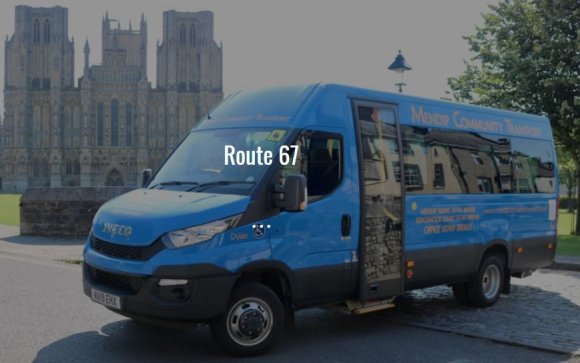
(381, 244)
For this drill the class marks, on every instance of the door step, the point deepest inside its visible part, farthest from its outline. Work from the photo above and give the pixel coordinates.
(360, 308)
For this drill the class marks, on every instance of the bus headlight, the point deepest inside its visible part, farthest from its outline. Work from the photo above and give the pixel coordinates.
(192, 235)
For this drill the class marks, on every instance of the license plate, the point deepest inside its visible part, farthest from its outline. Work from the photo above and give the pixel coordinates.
(112, 301)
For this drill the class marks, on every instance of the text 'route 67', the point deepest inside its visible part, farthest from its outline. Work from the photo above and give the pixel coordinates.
(287, 155)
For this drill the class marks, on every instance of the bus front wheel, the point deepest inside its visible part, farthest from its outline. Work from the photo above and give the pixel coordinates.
(484, 289)
(253, 320)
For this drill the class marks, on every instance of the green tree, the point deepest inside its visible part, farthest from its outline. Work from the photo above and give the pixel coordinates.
(568, 173)
(527, 58)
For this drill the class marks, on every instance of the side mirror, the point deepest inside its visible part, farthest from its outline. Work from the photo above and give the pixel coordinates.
(145, 177)
(292, 196)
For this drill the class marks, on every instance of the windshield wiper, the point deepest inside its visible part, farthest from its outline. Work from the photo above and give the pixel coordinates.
(204, 186)
(174, 182)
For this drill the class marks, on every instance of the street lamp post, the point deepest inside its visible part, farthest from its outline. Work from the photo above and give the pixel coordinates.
(400, 66)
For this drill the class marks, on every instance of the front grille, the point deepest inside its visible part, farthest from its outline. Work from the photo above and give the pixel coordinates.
(123, 283)
(140, 253)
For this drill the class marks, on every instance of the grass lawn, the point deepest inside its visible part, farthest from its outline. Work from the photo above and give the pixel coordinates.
(567, 244)
(565, 221)
(9, 209)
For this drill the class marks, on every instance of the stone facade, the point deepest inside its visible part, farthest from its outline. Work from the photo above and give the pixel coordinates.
(113, 123)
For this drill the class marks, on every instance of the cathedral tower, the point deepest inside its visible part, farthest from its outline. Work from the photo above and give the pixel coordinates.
(189, 70)
(39, 56)
(39, 67)
(189, 59)
(124, 47)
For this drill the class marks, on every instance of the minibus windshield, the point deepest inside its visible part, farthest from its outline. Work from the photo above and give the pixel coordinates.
(201, 162)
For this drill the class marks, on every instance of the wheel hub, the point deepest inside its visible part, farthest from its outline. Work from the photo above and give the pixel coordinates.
(491, 281)
(251, 323)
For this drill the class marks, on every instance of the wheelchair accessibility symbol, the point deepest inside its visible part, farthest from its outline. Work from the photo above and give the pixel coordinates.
(259, 230)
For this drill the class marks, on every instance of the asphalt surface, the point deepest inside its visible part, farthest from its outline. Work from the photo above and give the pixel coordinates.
(45, 317)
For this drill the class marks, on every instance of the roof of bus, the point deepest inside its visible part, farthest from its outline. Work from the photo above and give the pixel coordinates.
(303, 105)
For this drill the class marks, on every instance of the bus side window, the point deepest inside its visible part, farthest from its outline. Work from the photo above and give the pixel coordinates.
(320, 160)
(439, 161)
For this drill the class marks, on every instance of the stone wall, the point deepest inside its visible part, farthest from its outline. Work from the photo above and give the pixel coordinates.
(65, 212)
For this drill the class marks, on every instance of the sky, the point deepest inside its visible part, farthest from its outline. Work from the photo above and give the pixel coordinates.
(272, 42)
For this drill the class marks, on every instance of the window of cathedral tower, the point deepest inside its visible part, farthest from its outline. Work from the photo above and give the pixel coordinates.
(182, 35)
(35, 168)
(114, 122)
(192, 35)
(100, 124)
(73, 167)
(47, 31)
(45, 132)
(44, 168)
(36, 32)
(197, 114)
(36, 121)
(198, 69)
(67, 127)
(129, 125)
(76, 126)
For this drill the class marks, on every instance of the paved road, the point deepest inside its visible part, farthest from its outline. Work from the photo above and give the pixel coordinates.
(542, 311)
(44, 317)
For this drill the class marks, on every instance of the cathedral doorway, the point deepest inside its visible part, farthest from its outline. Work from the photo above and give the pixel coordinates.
(114, 179)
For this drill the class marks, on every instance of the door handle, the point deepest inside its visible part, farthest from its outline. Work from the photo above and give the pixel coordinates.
(345, 225)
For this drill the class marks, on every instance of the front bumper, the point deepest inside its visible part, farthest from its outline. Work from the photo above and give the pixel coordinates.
(204, 297)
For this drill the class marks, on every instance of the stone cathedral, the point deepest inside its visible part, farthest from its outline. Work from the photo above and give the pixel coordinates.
(112, 123)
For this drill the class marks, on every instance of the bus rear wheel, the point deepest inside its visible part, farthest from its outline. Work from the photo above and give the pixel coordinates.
(252, 323)
(485, 288)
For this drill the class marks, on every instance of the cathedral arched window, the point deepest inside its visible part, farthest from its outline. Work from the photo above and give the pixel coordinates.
(77, 167)
(129, 125)
(45, 168)
(67, 136)
(192, 35)
(47, 31)
(72, 167)
(36, 168)
(114, 123)
(100, 124)
(36, 32)
(182, 35)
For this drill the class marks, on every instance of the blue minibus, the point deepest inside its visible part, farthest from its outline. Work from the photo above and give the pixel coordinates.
(300, 196)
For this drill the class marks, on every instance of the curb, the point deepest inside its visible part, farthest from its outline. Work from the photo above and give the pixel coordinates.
(564, 266)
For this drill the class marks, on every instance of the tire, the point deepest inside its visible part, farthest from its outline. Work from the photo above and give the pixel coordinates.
(460, 293)
(484, 289)
(263, 311)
